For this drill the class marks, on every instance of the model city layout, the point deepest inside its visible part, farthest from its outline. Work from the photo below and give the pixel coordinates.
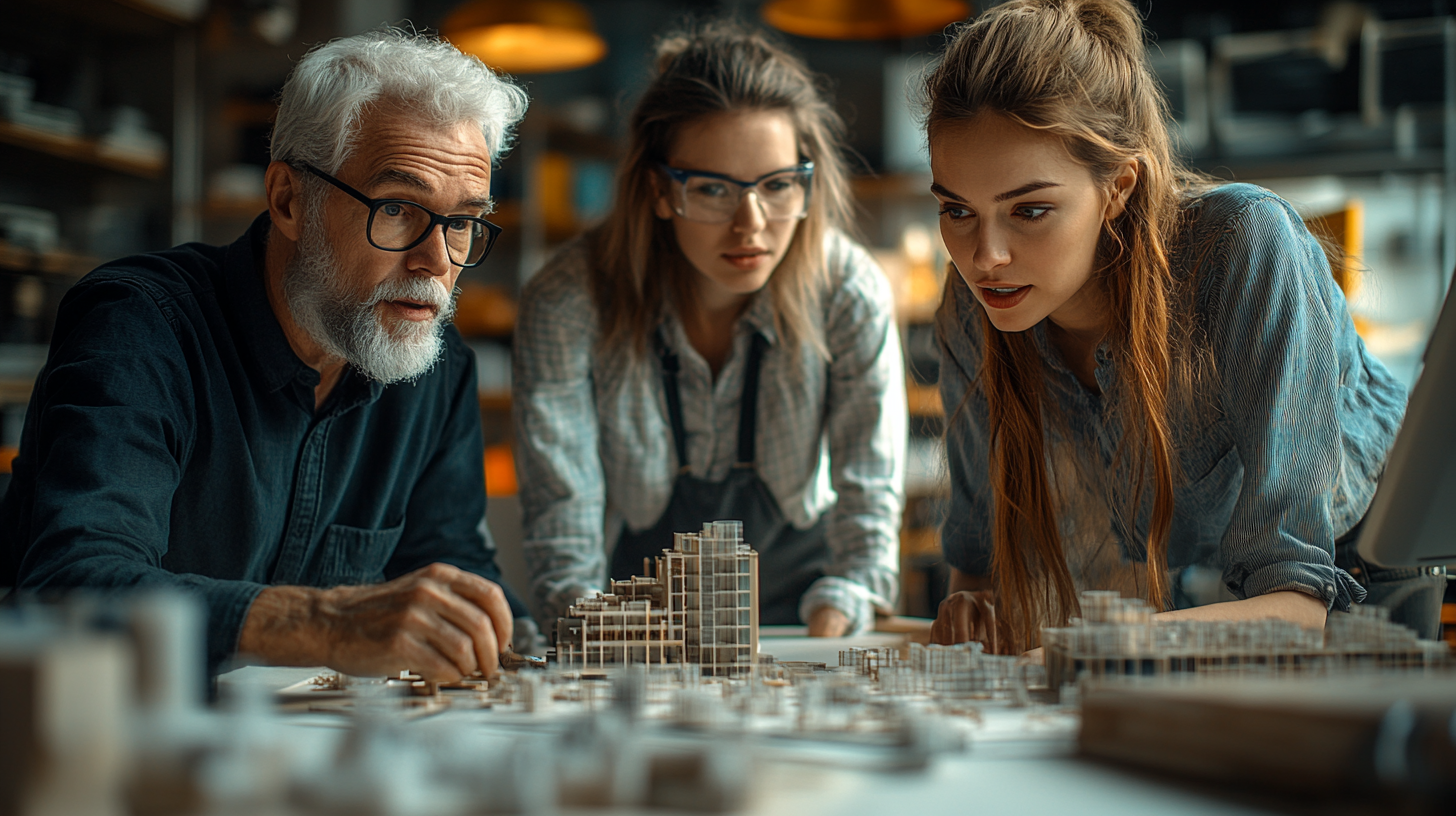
(655, 694)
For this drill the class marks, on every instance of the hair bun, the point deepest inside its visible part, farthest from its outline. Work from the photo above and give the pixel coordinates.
(1114, 22)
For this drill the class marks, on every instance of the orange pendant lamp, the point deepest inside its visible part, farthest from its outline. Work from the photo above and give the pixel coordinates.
(526, 36)
(863, 19)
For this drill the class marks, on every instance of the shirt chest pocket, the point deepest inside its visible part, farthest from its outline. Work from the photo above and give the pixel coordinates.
(351, 555)
(1202, 509)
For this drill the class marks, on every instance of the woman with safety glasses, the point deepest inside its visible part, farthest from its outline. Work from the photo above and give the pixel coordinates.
(717, 349)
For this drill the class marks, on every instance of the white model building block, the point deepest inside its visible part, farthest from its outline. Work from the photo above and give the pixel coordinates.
(64, 699)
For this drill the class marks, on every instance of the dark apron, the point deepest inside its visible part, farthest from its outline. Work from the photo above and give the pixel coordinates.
(789, 559)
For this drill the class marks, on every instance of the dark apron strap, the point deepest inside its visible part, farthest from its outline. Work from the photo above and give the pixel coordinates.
(748, 404)
(670, 369)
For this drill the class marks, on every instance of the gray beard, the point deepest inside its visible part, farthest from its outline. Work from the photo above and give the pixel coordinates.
(350, 329)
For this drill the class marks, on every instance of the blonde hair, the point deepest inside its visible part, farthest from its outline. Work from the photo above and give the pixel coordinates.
(1076, 69)
(720, 67)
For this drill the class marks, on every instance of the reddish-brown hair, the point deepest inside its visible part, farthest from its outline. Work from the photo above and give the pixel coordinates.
(1076, 69)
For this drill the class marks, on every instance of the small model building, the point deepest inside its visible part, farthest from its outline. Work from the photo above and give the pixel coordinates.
(1117, 637)
(699, 607)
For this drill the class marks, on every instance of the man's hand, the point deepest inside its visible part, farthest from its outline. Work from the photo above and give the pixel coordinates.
(966, 616)
(439, 621)
(826, 621)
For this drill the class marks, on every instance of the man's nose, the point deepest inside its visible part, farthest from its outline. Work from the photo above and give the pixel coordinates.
(432, 256)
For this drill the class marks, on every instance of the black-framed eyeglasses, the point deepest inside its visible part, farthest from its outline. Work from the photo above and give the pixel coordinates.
(397, 225)
(713, 198)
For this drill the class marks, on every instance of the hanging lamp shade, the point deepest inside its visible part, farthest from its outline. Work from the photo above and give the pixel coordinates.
(863, 19)
(526, 36)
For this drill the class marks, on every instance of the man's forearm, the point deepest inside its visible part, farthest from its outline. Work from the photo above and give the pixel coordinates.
(283, 628)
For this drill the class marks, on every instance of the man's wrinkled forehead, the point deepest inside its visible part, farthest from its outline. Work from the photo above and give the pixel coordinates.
(399, 151)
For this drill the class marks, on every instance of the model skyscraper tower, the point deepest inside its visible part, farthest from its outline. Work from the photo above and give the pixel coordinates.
(700, 607)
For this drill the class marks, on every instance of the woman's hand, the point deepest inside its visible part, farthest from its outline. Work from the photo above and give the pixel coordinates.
(965, 616)
(826, 621)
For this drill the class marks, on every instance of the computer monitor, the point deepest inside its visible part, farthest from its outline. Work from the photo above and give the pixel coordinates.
(1412, 520)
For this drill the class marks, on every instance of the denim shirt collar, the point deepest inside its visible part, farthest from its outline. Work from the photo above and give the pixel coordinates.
(265, 346)
(1106, 371)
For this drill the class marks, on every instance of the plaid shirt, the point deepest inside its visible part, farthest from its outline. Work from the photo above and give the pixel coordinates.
(594, 446)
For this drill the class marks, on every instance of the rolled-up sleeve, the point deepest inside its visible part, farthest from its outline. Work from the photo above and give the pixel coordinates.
(1280, 378)
(965, 535)
(866, 427)
(558, 467)
(111, 426)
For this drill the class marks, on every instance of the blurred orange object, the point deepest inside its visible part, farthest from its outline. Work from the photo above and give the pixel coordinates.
(500, 471)
(7, 455)
(1343, 231)
(484, 310)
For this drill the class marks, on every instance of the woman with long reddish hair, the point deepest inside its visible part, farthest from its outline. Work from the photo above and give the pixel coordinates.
(1154, 383)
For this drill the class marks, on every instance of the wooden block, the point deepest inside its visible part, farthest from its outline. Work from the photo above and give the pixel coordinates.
(64, 702)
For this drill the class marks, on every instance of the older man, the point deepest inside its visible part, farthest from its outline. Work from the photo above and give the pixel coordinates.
(288, 426)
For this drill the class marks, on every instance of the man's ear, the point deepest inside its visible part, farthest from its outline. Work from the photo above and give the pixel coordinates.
(285, 199)
(1123, 184)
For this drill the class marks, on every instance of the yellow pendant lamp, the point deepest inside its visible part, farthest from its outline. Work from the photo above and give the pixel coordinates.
(863, 19)
(526, 36)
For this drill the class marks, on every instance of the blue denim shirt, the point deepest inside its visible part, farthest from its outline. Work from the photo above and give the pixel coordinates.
(172, 440)
(1295, 426)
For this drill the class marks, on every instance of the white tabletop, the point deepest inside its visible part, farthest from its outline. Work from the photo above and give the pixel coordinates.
(1000, 772)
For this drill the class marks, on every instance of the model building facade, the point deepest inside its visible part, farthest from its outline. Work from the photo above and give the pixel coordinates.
(1118, 637)
(699, 607)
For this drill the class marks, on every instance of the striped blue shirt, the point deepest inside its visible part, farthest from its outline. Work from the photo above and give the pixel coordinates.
(1280, 459)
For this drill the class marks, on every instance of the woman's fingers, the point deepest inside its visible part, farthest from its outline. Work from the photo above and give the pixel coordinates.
(965, 616)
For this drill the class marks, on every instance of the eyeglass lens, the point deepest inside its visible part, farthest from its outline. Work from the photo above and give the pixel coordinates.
(782, 197)
(400, 224)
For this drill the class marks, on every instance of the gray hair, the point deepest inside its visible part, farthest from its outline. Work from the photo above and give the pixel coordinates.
(322, 103)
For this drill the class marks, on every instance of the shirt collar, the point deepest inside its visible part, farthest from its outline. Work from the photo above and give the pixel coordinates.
(757, 318)
(265, 346)
(1053, 358)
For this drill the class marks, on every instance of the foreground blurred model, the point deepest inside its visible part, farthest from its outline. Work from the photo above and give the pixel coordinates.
(1149, 377)
(718, 349)
(282, 424)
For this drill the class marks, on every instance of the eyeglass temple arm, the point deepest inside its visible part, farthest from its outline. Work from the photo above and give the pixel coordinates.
(360, 197)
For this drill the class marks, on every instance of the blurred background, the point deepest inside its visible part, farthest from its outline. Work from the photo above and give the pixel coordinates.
(133, 125)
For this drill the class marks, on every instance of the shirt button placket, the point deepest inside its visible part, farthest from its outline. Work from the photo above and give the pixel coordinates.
(307, 484)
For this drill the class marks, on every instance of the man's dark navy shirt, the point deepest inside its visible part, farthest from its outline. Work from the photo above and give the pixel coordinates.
(172, 440)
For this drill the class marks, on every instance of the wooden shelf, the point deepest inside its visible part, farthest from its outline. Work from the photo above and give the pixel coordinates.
(495, 400)
(924, 400)
(893, 185)
(73, 148)
(15, 392)
(61, 264)
(236, 209)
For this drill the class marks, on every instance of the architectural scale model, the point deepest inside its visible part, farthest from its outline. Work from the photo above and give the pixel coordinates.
(659, 701)
(1117, 637)
(700, 607)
